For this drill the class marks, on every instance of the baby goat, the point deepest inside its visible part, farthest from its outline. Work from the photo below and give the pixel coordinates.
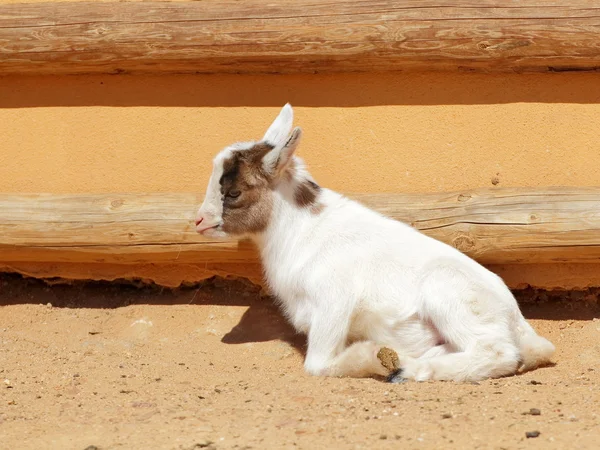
(356, 281)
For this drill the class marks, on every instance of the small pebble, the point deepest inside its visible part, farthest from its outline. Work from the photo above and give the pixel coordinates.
(446, 416)
(383, 436)
(203, 444)
(388, 358)
(532, 434)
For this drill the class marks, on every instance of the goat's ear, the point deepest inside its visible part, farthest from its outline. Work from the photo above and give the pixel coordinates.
(278, 159)
(278, 132)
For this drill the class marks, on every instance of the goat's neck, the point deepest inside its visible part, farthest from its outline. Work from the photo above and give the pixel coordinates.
(288, 227)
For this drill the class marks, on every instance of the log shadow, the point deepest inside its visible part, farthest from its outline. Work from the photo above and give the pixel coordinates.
(339, 90)
(559, 304)
(261, 322)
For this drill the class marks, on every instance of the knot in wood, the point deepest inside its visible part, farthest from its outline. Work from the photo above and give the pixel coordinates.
(463, 243)
(116, 203)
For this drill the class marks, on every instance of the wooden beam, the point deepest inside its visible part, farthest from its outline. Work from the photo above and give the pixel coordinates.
(494, 226)
(253, 36)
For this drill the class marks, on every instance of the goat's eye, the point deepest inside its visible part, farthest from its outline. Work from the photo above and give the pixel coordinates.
(233, 194)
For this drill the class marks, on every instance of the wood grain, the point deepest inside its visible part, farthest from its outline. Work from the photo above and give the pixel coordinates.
(305, 36)
(494, 226)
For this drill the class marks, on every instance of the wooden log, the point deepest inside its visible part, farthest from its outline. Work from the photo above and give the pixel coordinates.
(494, 226)
(253, 36)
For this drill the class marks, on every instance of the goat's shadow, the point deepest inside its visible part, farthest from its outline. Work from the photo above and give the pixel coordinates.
(263, 322)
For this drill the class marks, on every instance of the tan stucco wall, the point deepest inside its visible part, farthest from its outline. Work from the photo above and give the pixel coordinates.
(363, 133)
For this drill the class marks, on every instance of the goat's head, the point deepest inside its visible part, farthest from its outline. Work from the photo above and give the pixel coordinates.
(239, 196)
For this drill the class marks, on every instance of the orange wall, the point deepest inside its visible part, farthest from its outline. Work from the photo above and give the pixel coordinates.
(363, 133)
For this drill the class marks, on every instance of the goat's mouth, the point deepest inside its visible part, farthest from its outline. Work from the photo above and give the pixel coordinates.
(202, 229)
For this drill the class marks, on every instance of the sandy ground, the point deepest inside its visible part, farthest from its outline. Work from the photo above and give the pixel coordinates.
(108, 366)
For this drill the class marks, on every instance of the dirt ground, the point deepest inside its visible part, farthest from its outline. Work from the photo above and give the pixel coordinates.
(109, 366)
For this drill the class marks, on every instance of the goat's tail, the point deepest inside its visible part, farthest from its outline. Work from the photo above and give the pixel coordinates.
(534, 350)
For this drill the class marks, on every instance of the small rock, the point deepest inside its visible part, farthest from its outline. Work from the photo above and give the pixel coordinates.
(389, 359)
(535, 383)
(91, 447)
(532, 434)
(383, 436)
(446, 416)
(532, 412)
(203, 444)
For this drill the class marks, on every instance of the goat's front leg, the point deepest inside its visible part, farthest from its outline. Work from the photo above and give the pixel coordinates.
(327, 354)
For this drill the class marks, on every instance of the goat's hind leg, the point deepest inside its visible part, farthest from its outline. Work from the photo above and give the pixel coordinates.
(465, 317)
(486, 361)
(396, 376)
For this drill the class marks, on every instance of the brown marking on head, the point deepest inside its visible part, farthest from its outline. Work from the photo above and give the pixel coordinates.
(245, 186)
(305, 193)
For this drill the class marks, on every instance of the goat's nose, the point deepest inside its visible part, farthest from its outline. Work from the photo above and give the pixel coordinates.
(199, 220)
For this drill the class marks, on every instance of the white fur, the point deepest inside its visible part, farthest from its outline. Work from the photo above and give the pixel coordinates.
(354, 281)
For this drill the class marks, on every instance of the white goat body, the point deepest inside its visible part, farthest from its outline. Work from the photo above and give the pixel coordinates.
(355, 281)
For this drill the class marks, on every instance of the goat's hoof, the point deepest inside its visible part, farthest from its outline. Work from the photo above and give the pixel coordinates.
(389, 359)
(396, 377)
